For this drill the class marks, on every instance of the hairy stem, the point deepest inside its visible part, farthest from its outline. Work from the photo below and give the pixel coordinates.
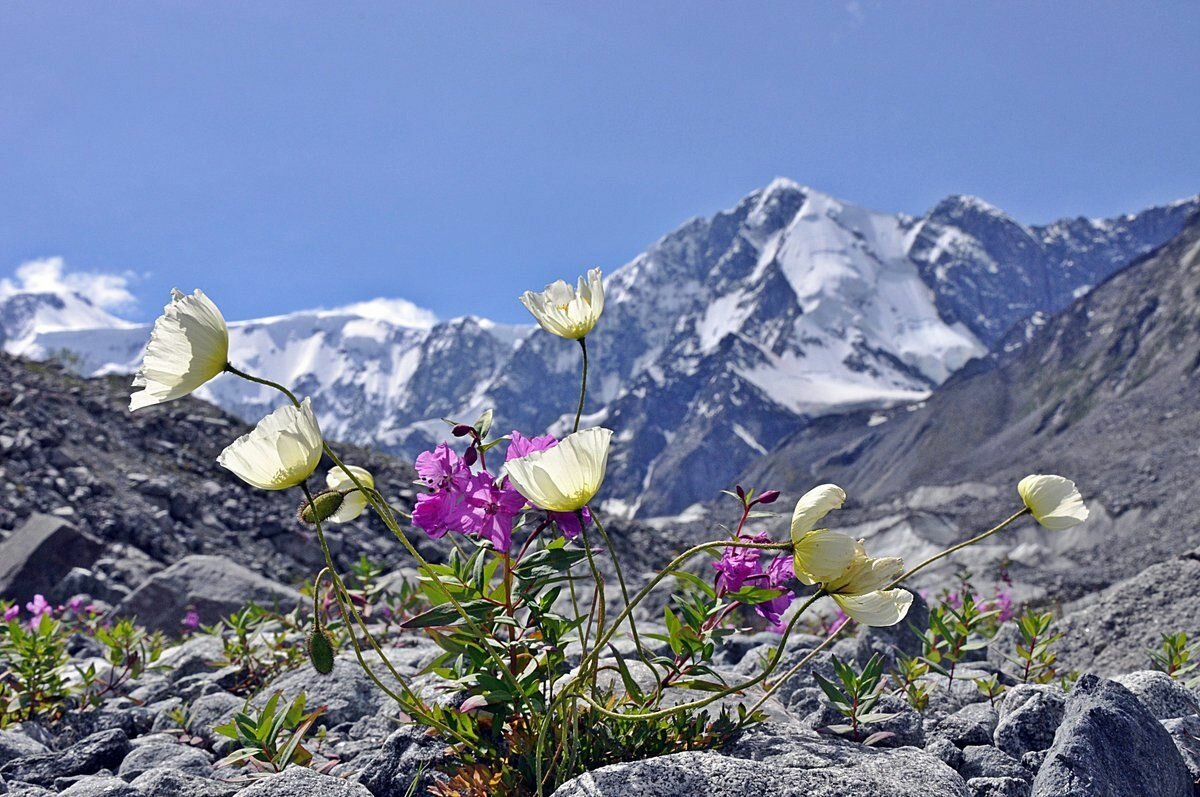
(583, 384)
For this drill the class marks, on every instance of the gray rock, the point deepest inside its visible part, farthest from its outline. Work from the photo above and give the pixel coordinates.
(1110, 745)
(35, 557)
(212, 585)
(1109, 633)
(208, 711)
(162, 781)
(1185, 731)
(22, 789)
(181, 757)
(103, 750)
(101, 786)
(76, 725)
(905, 724)
(985, 761)
(409, 754)
(300, 782)
(998, 787)
(971, 724)
(14, 744)
(193, 656)
(947, 751)
(347, 693)
(1165, 697)
(1029, 716)
(776, 760)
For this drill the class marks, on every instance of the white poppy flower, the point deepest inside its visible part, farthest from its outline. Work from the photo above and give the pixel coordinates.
(880, 608)
(814, 505)
(354, 500)
(566, 477)
(865, 574)
(189, 345)
(819, 555)
(1053, 501)
(565, 311)
(282, 451)
(822, 555)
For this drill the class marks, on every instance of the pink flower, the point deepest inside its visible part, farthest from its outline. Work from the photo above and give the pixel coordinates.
(568, 522)
(521, 446)
(490, 510)
(437, 513)
(778, 573)
(37, 607)
(191, 620)
(443, 470)
(739, 565)
(12, 612)
(75, 604)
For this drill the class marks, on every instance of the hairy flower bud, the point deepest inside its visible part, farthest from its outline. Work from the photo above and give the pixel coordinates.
(320, 649)
(323, 505)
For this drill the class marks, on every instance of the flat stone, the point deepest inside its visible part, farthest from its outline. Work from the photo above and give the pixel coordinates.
(211, 585)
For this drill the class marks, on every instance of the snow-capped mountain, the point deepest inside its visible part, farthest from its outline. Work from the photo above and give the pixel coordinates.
(724, 337)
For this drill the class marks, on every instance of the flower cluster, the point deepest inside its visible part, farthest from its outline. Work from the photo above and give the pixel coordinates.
(741, 567)
(557, 478)
(39, 607)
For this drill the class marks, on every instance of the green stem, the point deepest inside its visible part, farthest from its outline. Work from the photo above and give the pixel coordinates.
(583, 384)
(959, 547)
(612, 551)
(259, 380)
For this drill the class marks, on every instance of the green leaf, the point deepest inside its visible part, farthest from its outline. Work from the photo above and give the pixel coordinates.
(750, 595)
(447, 614)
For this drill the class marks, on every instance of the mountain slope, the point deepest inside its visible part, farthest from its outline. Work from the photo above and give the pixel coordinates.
(722, 339)
(1107, 392)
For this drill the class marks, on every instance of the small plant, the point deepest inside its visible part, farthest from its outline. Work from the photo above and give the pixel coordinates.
(129, 651)
(270, 740)
(1177, 658)
(908, 681)
(855, 698)
(1036, 658)
(256, 642)
(955, 629)
(990, 687)
(32, 685)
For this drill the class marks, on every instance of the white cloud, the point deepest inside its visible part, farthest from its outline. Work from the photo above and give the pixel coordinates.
(854, 9)
(50, 275)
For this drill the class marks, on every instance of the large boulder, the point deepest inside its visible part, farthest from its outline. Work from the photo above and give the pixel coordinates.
(1165, 697)
(164, 781)
(35, 557)
(776, 760)
(409, 756)
(1109, 633)
(1185, 731)
(1029, 717)
(211, 585)
(301, 782)
(103, 750)
(1110, 745)
(14, 744)
(179, 757)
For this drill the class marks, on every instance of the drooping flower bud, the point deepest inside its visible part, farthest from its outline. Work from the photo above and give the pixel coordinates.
(323, 505)
(469, 456)
(461, 430)
(320, 649)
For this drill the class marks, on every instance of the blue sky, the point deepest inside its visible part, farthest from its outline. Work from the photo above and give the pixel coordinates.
(287, 155)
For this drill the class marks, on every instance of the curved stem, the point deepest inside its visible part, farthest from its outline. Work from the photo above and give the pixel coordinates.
(669, 570)
(259, 380)
(637, 642)
(583, 384)
(762, 676)
(959, 547)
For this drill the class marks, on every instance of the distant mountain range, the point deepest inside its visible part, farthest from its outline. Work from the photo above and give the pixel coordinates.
(727, 339)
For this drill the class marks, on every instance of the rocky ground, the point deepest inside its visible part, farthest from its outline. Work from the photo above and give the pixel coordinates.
(1134, 734)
